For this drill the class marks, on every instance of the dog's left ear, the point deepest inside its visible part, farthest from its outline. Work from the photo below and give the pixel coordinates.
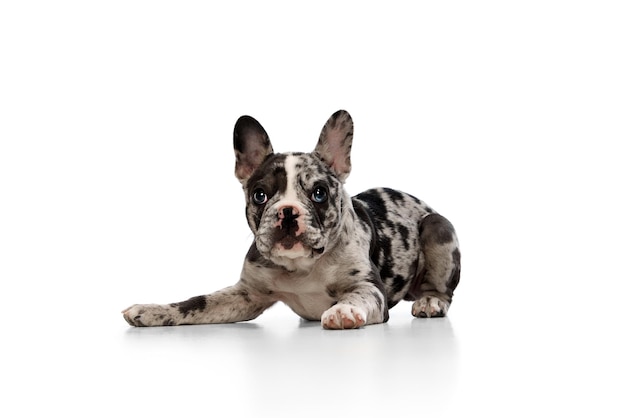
(335, 143)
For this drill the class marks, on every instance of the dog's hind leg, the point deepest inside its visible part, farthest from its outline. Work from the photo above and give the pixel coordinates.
(435, 284)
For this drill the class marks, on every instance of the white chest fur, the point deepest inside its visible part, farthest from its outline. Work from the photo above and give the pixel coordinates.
(304, 292)
(306, 296)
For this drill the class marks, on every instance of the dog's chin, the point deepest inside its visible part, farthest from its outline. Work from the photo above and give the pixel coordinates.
(297, 257)
(296, 250)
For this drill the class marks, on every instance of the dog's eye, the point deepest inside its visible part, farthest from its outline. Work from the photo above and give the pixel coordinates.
(319, 195)
(259, 197)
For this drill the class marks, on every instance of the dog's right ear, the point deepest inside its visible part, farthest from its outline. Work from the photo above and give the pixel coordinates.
(252, 145)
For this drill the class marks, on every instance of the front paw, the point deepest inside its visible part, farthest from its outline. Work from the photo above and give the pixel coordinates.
(148, 316)
(344, 316)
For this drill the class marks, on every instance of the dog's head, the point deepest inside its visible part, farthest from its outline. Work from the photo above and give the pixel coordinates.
(294, 201)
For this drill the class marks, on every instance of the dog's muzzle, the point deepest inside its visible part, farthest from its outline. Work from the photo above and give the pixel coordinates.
(290, 232)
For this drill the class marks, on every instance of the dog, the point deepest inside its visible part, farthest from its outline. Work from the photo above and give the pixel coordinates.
(341, 260)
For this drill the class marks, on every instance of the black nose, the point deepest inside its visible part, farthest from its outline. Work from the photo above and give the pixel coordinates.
(289, 224)
(288, 213)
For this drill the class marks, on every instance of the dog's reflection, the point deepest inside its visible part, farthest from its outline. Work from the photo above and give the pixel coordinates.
(405, 364)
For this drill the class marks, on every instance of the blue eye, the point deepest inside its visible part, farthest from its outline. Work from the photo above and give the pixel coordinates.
(319, 195)
(259, 197)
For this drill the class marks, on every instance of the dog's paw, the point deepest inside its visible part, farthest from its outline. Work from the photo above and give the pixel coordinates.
(429, 307)
(343, 316)
(148, 316)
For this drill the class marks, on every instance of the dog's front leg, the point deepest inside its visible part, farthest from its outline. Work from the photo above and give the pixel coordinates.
(232, 304)
(362, 304)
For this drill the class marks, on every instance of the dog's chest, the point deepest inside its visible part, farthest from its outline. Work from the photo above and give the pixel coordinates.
(305, 294)
(309, 305)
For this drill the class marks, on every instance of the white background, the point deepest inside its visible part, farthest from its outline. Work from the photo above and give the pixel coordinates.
(117, 187)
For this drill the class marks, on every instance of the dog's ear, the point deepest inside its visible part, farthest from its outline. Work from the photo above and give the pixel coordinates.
(335, 143)
(252, 145)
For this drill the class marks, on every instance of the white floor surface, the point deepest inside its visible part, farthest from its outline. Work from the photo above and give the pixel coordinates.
(480, 360)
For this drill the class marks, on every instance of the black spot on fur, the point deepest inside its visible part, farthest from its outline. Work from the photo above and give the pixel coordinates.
(404, 233)
(375, 202)
(197, 303)
(379, 300)
(368, 224)
(354, 272)
(398, 283)
(280, 175)
(395, 196)
(455, 275)
(385, 258)
(270, 176)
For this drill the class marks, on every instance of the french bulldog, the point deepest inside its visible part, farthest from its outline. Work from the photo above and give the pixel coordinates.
(341, 260)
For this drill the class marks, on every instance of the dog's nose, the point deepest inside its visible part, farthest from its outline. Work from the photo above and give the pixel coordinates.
(288, 212)
(288, 219)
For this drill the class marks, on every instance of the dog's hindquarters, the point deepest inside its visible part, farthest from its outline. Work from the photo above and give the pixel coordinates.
(415, 249)
(434, 285)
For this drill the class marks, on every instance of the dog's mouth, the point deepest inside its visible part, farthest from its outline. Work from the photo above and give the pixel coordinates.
(293, 248)
(289, 242)
(291, 239)
(296, 249)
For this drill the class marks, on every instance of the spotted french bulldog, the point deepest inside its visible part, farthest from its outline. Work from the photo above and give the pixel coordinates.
(329, 257)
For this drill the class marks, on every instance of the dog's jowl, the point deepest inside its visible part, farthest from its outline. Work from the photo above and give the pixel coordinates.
(328, 256)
